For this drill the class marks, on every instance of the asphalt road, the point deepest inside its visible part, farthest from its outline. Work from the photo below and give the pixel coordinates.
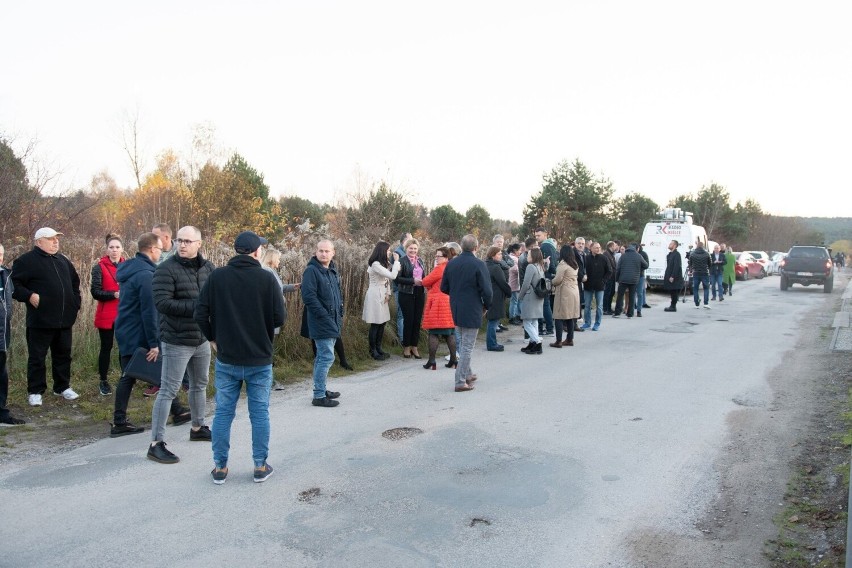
(554, 460)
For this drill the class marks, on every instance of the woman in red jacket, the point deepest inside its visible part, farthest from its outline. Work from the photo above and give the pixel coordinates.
(437, 318)
(105, 291)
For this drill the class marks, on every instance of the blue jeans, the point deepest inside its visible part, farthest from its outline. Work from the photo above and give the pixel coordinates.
(640, 293)
(322, 363)
(548, 315)
(491, 334)
(514, 306)
(701, 279)
(399, 319)
(229, 382)
(598, 296)
(716, 285)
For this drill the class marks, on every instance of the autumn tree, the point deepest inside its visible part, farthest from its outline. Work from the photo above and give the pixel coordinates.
(446, 224)
(381, 214)
(572, 202)
(477, 222)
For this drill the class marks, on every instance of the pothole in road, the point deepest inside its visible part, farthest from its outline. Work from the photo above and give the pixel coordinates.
(477, 521)
(401, 433)
(308, 495)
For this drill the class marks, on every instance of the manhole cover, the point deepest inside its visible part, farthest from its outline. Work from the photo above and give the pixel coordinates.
(401, 433)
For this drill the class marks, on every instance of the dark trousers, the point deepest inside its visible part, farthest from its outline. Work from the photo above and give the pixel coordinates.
(377, 332)
(39, 340)
(107, 336)
(412, 315)
(568, 327)
(122, 395)
(674, 294)
(4, 385)
(623, 289)
(609, 292)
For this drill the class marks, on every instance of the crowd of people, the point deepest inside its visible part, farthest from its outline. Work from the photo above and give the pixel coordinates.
(170, 309)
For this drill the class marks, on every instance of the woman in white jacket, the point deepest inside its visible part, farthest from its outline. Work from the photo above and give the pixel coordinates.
(376, 311)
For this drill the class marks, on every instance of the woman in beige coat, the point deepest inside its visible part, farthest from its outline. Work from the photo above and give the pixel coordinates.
(566, 304)
(376, 311)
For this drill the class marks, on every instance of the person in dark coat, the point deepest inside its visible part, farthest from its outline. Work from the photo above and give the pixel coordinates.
(699, 269)
(609, 286)
(630, 267)
(47, 282)
(467, 282)
(500, 291)
(241, 327)
(323, 301)
(598, 273)
(717, 272)
(136, 325)
(673, 277)
(5, 340)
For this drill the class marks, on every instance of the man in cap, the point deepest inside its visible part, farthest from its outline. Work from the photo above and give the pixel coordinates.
(47, 282)
(238, 310)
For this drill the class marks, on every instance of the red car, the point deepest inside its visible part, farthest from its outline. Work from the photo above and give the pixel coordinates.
(747, 266)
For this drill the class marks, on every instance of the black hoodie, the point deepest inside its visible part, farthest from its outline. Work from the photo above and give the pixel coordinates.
(55, 280)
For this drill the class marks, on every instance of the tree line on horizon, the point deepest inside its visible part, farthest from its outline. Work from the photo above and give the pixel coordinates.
(224, 196)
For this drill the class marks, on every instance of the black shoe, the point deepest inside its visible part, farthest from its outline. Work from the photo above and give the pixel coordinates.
(382, 354)
(9, 419)
(160, 454)
(644, 306)
(616, 314)
(638, 314)
(182, 417)
(670, 309)
(529, 346)
(124, 429)
(347, 366)
(332, 394)
(200, 435)
(498, 348)
(376, 355)
(324, 401)
(104, 388)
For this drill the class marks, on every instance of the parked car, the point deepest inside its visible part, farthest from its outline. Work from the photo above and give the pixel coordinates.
(748, 267)
(762, 257)
(808, 265)
(775, 263)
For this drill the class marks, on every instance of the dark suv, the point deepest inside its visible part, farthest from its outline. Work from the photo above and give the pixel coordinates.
(808, 265)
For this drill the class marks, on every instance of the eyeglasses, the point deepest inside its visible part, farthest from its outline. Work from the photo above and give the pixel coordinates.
(185, 241)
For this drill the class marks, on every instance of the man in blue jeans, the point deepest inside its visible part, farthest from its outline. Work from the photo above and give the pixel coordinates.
(699, 268)
(323, 301)
(238, 309)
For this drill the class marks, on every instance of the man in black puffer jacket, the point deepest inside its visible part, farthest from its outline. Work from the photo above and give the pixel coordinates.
(47, 282)
(699, 268)
(630, 267)
(177, 283)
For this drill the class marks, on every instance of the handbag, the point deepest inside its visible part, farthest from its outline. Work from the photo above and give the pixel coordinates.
(141, 369)
(542, 288)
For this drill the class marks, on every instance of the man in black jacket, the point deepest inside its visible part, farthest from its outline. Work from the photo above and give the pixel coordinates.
(699, 268)
(609, 286)
(5, 339)
(238, 310)
(49, 285)
(630, 266)
(673, 278)
(177, 283)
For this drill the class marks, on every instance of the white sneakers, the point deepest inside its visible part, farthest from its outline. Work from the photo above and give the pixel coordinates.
(707, 306)
(68, 394)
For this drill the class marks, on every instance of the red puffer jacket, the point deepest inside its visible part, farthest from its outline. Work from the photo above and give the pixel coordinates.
(104, 287)
(436, 314)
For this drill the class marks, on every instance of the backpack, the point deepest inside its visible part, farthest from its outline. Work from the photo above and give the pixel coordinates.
(542, 288)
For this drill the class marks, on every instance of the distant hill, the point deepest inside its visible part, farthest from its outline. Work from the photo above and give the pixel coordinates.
(832, 228)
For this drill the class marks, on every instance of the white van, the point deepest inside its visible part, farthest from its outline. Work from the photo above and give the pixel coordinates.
(672, 224)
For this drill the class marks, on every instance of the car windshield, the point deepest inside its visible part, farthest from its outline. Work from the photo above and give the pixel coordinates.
(808, 252)
(757, 255)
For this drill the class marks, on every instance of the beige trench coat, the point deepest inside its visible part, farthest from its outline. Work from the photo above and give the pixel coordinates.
(378, 293)
(566, 304)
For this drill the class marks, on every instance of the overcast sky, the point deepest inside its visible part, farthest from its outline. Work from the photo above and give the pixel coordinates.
(451, 102)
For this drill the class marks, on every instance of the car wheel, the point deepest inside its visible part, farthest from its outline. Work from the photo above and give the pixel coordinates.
(762, 273)
(745, 274)
(783, 283)
(828, 286)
